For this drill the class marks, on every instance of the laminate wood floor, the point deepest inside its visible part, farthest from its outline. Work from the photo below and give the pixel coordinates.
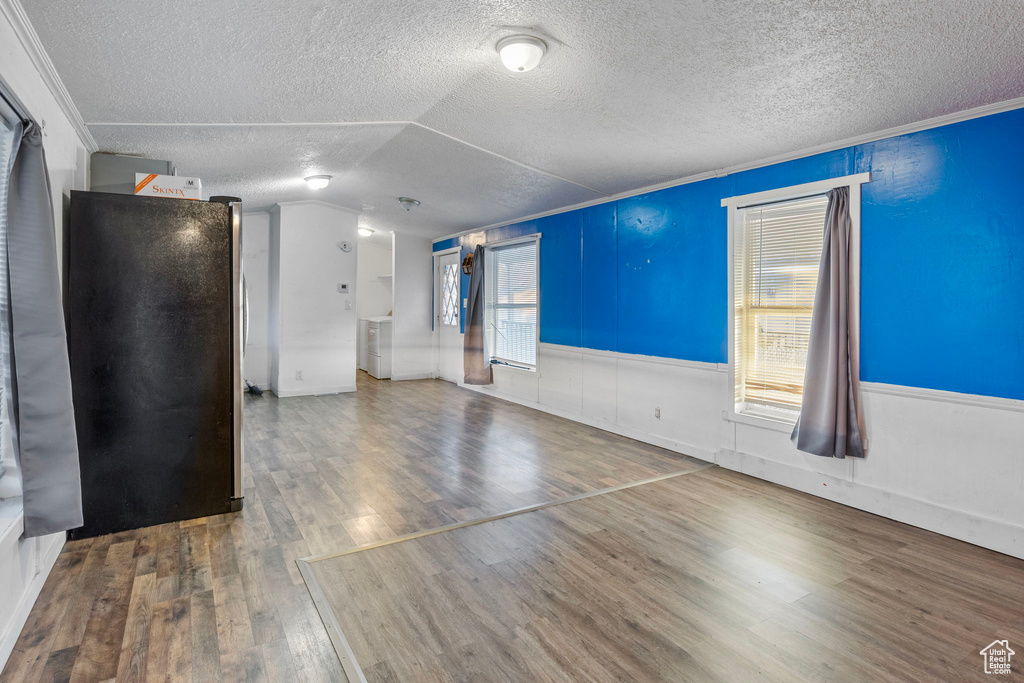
(221, 598)
(711, 576)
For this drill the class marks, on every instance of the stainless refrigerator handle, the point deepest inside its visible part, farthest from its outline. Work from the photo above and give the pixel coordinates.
(237, 326)
(245, 318)
(238, 333)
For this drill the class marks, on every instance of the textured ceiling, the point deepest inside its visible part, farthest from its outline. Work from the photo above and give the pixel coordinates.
(629, 94)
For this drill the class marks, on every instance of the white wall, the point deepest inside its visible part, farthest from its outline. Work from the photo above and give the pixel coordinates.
(374, 284)
(274, 298)
(950, 463)
(256, 267)
(25, 563)
(314, 326)
(375, 291)
(412, 351)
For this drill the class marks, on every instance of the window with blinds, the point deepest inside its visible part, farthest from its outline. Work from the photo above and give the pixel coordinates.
(510, 294)
(777, 260)
(9, 486)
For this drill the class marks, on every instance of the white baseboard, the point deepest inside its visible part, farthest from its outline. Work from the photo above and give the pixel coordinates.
(316, 391)
(51, 549)
(421, 375)
(965, 526)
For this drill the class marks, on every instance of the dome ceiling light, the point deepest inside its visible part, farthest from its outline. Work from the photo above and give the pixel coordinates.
(408, 202)
(521, 52)
(317, 182)
(365, 232)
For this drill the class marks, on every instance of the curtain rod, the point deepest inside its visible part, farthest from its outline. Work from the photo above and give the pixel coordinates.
(11, 106)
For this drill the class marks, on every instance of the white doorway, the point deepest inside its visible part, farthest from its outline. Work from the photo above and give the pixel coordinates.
(447, 306)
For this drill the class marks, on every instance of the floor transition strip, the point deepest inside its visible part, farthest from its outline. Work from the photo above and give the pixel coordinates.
(330, 619)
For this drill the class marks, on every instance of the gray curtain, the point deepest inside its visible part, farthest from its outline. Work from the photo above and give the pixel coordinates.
(477, 364)
(830, 422)
(43, 417)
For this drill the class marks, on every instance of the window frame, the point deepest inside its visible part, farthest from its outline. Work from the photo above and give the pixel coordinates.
(11, 113)
(494, 360)
(458, 295)
(733, 206)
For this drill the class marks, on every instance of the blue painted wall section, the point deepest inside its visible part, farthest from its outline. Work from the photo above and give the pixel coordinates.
(600, 278)
(942, 265)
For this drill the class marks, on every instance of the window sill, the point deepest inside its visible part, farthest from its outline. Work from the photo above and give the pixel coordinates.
(517, 368)
(778, 425)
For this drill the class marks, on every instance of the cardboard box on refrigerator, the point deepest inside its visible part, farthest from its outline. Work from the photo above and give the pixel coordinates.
(175, 186)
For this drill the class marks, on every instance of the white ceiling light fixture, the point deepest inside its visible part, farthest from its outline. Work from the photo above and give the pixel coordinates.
(365, 232)
(317, 182)
(521, 52)
(408, 202)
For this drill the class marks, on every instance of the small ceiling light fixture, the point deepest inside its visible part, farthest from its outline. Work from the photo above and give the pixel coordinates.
(521, 52)
(408, 202)
(318, 182)
(365, 232)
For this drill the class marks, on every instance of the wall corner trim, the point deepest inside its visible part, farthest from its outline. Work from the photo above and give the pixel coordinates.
(19, 20)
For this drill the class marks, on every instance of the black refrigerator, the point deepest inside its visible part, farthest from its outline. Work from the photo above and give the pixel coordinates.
(154, 324)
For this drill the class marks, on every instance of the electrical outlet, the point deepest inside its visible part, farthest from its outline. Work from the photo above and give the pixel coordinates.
(657, 413)
(298, 374)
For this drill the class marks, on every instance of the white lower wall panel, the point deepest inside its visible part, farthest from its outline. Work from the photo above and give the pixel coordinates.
(560, 384)
(777, 446)
(522, 385)
(24, 565)
(946, 462)
(681, 393)
(958, 456)
(600, 384)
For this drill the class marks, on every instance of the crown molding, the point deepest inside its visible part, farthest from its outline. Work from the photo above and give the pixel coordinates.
(19, 21)
(935, 122)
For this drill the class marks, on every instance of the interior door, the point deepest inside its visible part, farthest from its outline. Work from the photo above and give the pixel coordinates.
(449, 298)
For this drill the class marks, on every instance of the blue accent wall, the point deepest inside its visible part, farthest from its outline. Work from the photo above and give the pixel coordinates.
(942, 262)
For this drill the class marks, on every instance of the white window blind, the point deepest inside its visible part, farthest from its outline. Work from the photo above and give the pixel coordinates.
(776, 276)
(9, 485)
(511, 303)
